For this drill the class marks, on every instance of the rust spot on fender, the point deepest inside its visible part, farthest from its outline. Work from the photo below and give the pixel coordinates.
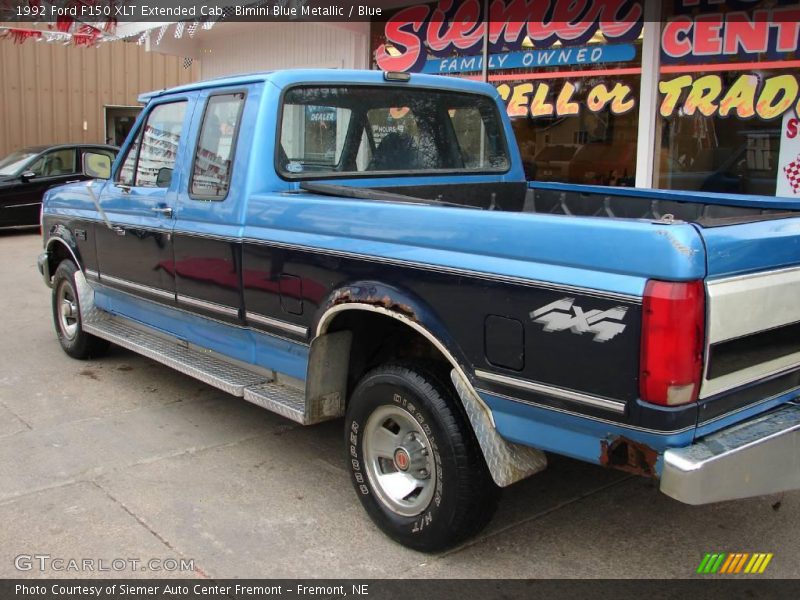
(630, 456)
(385, 301)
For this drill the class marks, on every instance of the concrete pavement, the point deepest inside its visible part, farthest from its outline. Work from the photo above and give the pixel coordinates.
(122, 458)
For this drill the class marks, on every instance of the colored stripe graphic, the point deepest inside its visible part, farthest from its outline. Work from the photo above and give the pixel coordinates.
(711, 563)
(734, 563)
(766, 562)
(727, 565)
(703, 564)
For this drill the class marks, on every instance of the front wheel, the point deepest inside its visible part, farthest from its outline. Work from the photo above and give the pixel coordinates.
(67, 316)
(414, 460)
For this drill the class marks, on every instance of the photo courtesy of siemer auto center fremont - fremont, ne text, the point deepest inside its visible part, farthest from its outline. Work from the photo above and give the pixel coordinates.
(441, 299)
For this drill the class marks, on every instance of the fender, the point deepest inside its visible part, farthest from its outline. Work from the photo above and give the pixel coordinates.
(396, 303)
(61, 239)
(327, 370)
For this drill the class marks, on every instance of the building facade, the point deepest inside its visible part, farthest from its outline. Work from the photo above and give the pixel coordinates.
(52, 93)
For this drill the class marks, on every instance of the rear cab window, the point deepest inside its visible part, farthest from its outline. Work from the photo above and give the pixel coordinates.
(329, 131)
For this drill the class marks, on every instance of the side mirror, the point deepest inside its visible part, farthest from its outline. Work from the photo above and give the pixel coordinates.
(27, 176)
(164, 177)
(96, 166)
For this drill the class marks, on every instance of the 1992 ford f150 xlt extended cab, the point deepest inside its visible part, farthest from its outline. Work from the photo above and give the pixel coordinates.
(364, 245)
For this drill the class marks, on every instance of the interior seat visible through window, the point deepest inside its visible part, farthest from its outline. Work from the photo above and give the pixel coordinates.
(396, 152)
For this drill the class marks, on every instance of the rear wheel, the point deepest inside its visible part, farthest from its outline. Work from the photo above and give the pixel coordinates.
(67, 316)
(414, 460)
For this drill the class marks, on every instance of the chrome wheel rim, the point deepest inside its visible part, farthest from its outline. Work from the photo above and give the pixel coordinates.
(67, 310)
(399, 461)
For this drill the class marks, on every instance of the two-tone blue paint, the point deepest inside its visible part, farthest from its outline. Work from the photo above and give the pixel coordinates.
(241, 343)
(571, 434)
(614, 258)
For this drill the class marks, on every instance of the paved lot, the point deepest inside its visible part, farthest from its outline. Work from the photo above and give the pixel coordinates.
(124, 458)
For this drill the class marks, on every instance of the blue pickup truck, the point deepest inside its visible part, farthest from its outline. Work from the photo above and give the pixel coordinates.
(365, 245)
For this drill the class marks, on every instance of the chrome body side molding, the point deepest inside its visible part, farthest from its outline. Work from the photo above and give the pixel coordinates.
(556, 392)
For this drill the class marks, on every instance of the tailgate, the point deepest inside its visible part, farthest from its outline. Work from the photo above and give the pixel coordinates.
(753, 315)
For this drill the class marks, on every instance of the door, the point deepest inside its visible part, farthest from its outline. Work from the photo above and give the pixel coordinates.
(136, 253)
(22, 200)
(119, 122)
(208, 269)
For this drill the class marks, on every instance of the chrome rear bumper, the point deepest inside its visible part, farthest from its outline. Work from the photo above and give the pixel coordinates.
(760, 456)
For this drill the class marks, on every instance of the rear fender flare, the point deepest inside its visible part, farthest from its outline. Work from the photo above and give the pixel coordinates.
(392, 302)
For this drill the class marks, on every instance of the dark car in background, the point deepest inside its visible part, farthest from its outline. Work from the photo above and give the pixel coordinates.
(25, 175)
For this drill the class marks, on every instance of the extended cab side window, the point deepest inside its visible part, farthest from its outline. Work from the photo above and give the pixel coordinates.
(213, 160)
(151, 158)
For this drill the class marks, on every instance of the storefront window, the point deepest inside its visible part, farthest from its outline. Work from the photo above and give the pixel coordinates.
(728, 102)
(728, 94)
(715, 153)
(593, 143)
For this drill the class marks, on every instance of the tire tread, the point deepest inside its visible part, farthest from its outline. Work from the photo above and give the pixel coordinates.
(476, 493)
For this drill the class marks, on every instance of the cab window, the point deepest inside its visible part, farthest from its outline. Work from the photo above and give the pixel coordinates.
(150, 160)
(213, 158)
(367, 131)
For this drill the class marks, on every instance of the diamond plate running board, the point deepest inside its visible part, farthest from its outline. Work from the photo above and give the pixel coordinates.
(287, 402)
(201, 365)
(291, 403)
(258, 388)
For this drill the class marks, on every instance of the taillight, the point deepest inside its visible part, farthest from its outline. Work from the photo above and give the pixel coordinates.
(673, 336)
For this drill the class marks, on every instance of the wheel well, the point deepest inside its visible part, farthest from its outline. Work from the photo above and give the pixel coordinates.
(57, 252)
(378, 339)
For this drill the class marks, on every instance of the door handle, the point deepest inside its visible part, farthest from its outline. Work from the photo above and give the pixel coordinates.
(72, 181)
(118, 230)
(164, 210)
(126, 189)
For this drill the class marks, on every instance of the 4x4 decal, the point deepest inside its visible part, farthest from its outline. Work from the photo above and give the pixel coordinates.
(563, 315)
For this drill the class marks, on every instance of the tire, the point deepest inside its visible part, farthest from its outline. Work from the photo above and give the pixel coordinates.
(67, 316)
(433, 490)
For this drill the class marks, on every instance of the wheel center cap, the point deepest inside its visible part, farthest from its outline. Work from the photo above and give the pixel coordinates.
(401, 459)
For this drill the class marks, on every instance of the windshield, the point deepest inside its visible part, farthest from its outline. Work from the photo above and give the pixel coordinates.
(14, 162)
(360, 130)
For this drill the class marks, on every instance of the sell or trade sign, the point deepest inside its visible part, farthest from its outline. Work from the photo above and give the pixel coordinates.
(750, 95)
(454, 26)
(586, 55)
(788, 183)
(537, 100)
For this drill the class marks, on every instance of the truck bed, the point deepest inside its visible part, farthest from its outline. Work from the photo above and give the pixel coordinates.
(702, 208)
